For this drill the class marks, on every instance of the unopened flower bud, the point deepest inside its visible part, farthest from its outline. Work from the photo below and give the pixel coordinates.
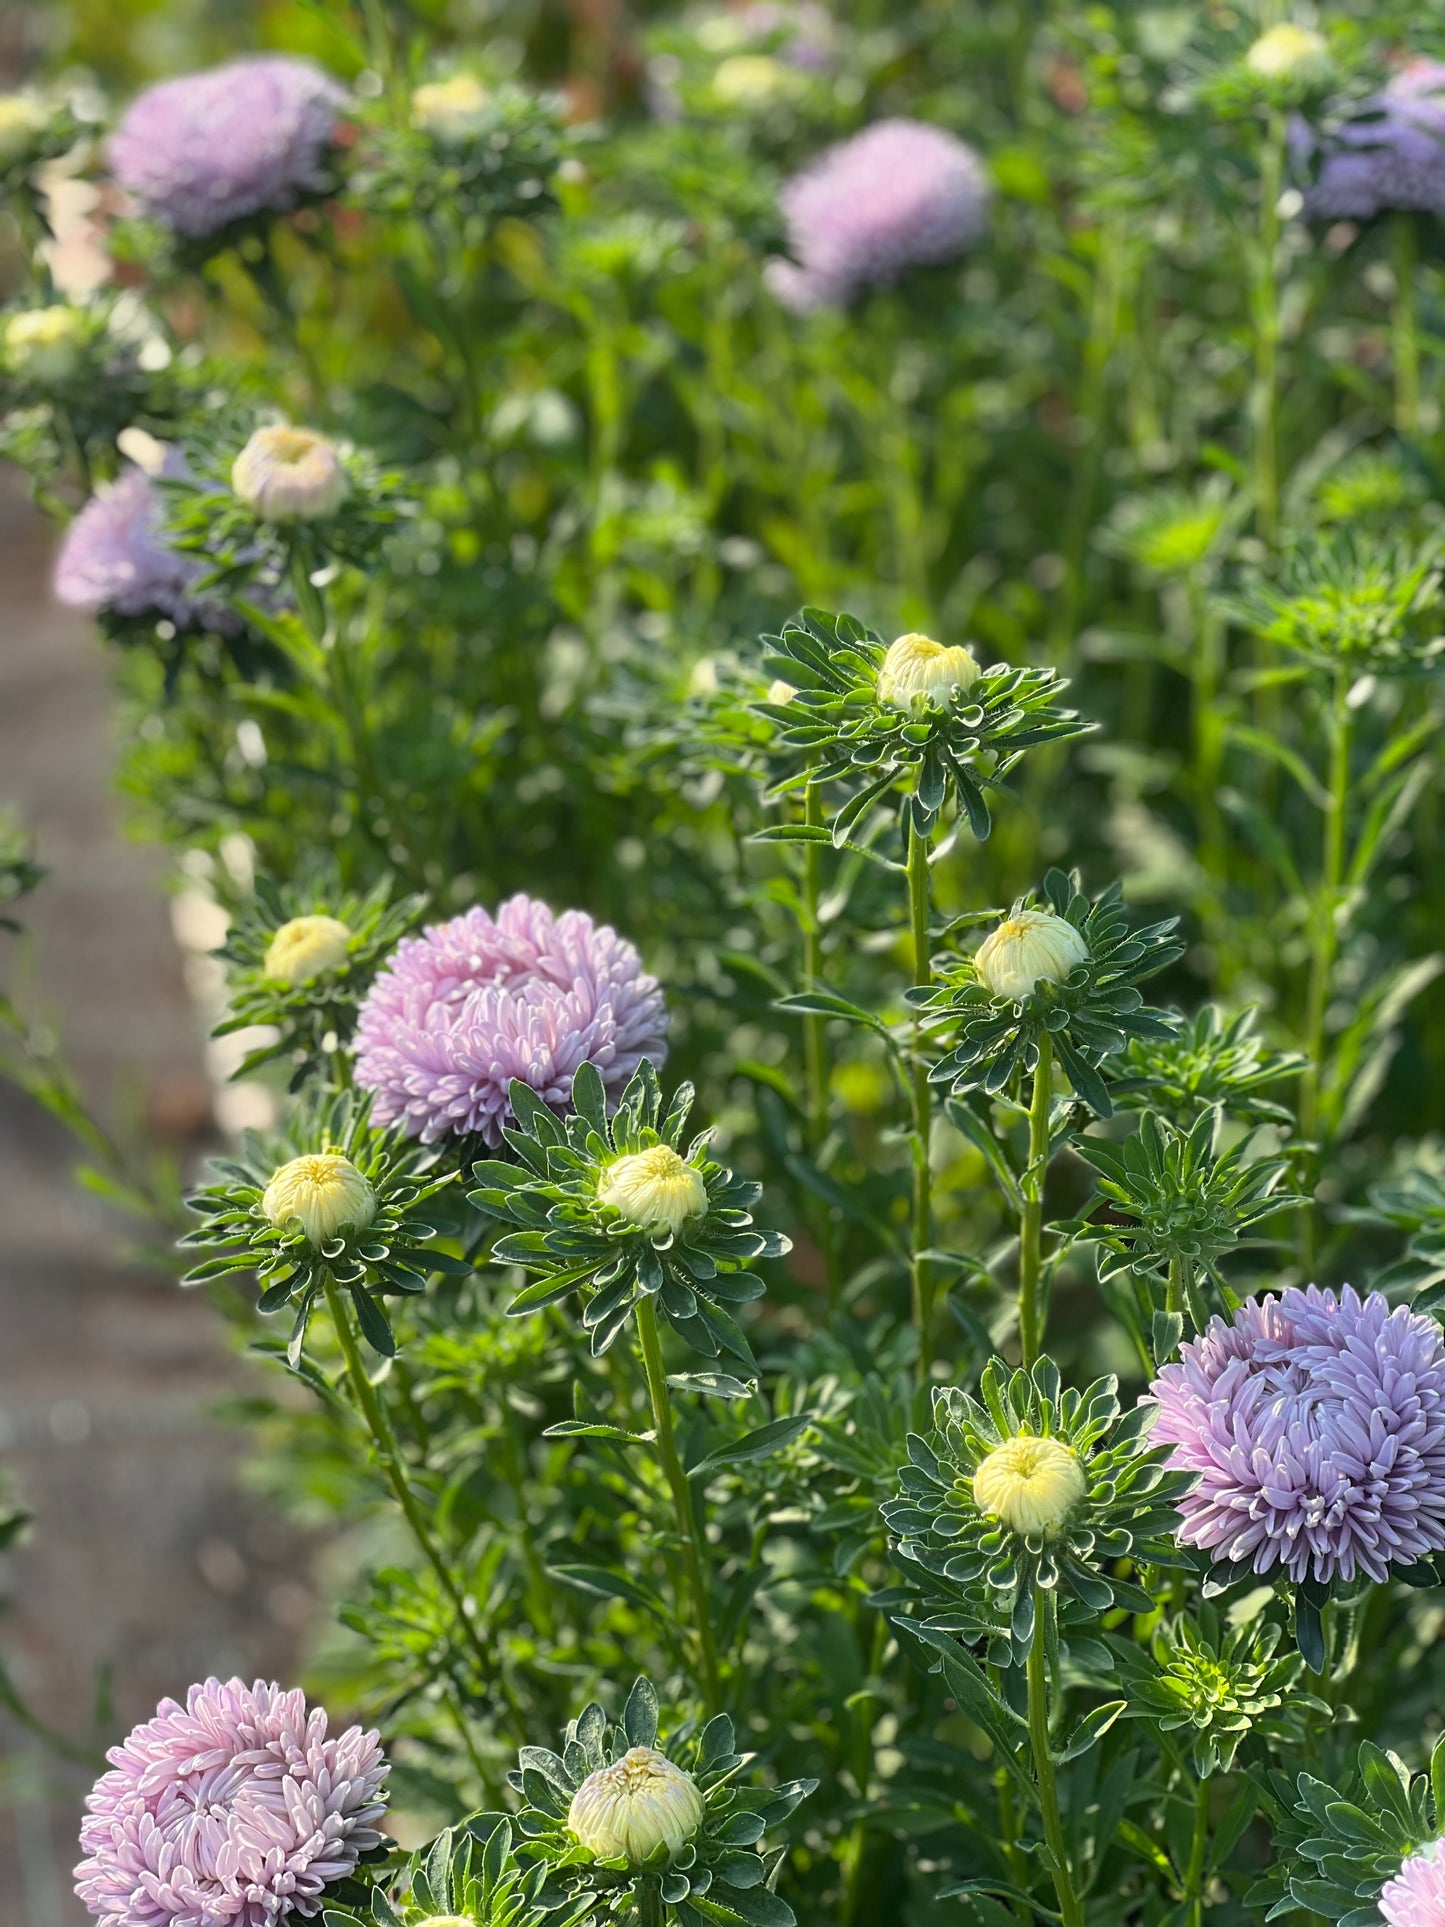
(745, 80)
(1028, 948)
(780, 691)
(918, 666)
(322, 1191)
(44, 345)
(452, 110)
(632, 1809)
(1288, 52)
(655, 1189)
(304, 948)
(703, 680)
(288, 474)
(23, 119)
(1031, 1485)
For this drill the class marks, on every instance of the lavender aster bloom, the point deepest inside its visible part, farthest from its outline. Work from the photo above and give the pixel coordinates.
(1390, 155)
(117, 560)
(209, 148)
(229, 1811)
(1416, 1896)
(897, 195)
(1317, 1427)
(471, 1004)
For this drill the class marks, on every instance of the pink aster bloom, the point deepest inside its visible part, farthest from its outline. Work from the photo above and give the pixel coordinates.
(117, 560)
(209, 148)
(1391, 154)
(472, 1004)
(1316, 1424)
(1416, 1896)
(229, 1811)
(899, 195)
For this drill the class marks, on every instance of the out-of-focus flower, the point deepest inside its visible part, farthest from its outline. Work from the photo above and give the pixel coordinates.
(234, 1808)
(286, 474)
(1031, 1485)
(918, 666)
(321, 1191)
(656, 1189)
(635, 1807)
(452, 110)
(23, 119)
(901, 194)
(304, 947)
(1416, 1896)
(45, 345)
(780, 691)
(244, 138)
(1030, 947)
(1316, 1425)
(472, 1004)
(1391, 154)
(117, 560)
(801, 32)
(747, 80)
(1289, 52)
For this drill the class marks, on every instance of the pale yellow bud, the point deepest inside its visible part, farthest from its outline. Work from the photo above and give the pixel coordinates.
(23, 119)
(304, 948)
(1030, 1485)
(1289, 52)
(917, 666)
(1028, 948)
(452, 110)
(289, 475)
(703, 680)
(655, 1189)
(780, 691)
(321, 1191)
(632, 1809)
(44, 345)
(746, 80)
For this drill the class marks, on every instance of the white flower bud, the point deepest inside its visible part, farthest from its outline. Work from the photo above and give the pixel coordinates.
(1031, 1485)
(746, 80)
(45, 345)
(632, 1809)
(452, 111)
(1288, 52)
(780, 691)
(288, 474)
(304, 948)
(703, 680)
(1028, 948)
(918, 666)
(655, 1189)
(23, 119)
(321, 1191)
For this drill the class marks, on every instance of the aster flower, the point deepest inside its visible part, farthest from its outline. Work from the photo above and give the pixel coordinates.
(629, 1826)
(1389, 154)
(45, 347)
(1289, 52)
(246, 138)
(474, 1004)
(616, 1207)
(286, 474)
(118, 560)
(1314, 1424)
(235, 1807)
(331, 1199)
(899, 195)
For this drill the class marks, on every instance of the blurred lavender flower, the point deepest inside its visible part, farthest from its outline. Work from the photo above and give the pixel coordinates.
(117, 560)
(1416, 1896)
(898, 195)
(210, 148)
(1391, 154)
(471, 1004)
(234, 1808)
(1316, 1424)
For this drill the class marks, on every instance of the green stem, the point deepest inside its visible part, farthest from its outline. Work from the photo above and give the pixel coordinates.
(1404, 328)
(1038, 1682)
(922, 1098)
(1194, 1877)
(1176, 1292)
(389, 1453)
(1031, 1311)
(650, 1910)
(1208, 726)
(693, 1547)
(815, 1054)
(1267, 332)
(1324, 947)
(1093, 401)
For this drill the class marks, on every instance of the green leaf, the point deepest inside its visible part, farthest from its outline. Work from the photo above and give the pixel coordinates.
(760, 1444)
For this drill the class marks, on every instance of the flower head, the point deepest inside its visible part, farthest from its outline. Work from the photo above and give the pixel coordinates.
(210, 148)
(746, 80)
(636, 1806)
(1028, 948)
(45, 345)
(1316, 1426)
(304, 947)
(289, 474)
(1031, 1485)
(1289, 52)
(656, 1188)
(918, 666)
(898, 195)
(1416, 1896)
(235, 1808)
(452, 110)
(472, 1004)
(1391, 154)
(23, 119)
(117, 560)
(321, 1191)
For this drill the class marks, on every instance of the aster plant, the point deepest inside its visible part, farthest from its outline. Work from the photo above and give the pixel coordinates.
(469, 1872)
(1209, 1062)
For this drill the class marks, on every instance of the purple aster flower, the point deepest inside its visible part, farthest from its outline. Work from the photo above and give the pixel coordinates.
(471, 1004)
(229, 1811)
(895, 196)
(1316, 1424)
(1389, 155)
(117, 559)
(1416, 1896)
(204, 150)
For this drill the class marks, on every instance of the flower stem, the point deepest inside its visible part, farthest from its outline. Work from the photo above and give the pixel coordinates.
(1176, 1291)
(922, 1093)
(1404, 327)
(1267, 332)
(693, 1551)
(1038, 1683)
(1099, 349)
(815, 1050)
(389, 1453)
(650, 1911)
(1194, 1876)
(1031, 1315)
(1324, 946)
